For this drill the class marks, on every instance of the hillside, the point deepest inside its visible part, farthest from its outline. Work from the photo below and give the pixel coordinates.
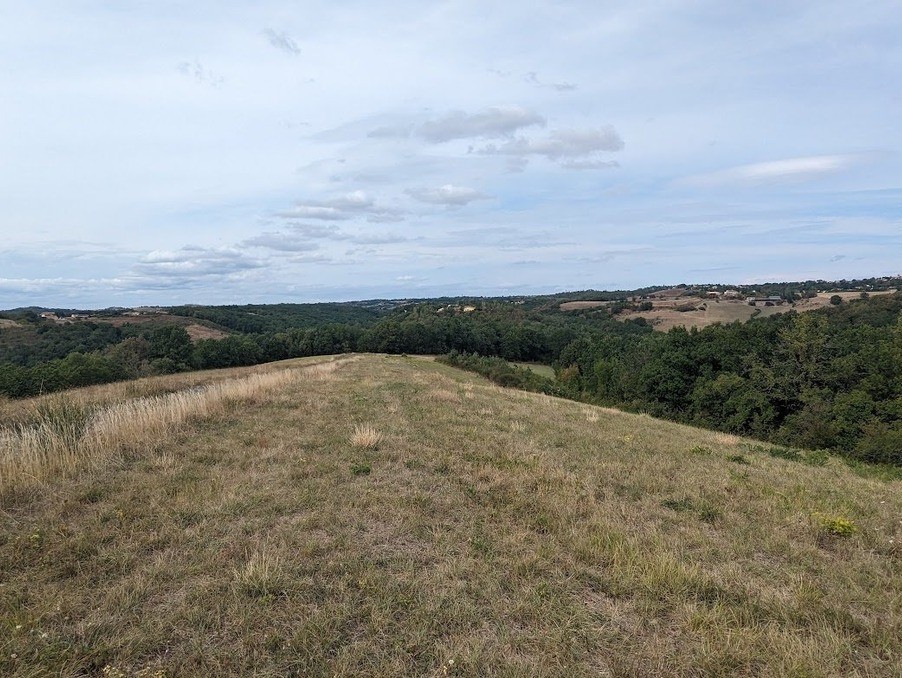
(375, 515)
(685, 310)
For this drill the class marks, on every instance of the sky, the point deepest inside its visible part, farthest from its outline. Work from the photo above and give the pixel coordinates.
(159, 152)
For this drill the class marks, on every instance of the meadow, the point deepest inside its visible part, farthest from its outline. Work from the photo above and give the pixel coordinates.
(375, 515)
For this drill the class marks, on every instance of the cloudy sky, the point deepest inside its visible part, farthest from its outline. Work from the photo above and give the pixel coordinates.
(160, 152)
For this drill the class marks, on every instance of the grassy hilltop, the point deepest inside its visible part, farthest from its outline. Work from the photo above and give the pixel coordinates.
(374, 515)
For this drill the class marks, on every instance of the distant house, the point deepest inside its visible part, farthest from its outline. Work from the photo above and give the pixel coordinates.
(732, 294)
(49, 315)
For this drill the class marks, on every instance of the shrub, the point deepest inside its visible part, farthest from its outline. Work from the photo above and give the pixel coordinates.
(880, 443)
(361, 468)
(835, 526)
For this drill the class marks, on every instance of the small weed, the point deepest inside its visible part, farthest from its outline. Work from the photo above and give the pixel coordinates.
(700, 450)
(816, 458)
(111, 671)
(93, 495)
(738, 459)
(835, 526)
(708, 512)
(783, 453)
(361, 468)
(481, 545)
(679, 505)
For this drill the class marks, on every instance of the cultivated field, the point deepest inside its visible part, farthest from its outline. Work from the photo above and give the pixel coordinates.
(664, 315)
(394, 516)
(194, 329)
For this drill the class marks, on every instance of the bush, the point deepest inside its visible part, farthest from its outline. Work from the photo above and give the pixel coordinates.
(880, 443)
(835, 526)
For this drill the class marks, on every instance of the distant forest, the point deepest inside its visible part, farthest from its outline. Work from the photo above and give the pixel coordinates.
(828, 379)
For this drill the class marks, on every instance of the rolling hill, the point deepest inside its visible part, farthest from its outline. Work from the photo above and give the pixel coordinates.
(376, 515)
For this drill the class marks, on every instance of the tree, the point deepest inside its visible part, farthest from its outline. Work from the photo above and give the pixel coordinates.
(170, 348)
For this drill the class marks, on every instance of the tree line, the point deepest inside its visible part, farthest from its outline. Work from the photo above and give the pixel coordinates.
(827, 379)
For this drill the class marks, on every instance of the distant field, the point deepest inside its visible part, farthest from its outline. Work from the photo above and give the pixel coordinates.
(822, 300)
(579, 305)
(195, 330)
(394, 516)
(542, 370)
(6, 322)
(664, 316)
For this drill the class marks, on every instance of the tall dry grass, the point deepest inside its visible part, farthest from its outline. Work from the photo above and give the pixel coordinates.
(64, 434)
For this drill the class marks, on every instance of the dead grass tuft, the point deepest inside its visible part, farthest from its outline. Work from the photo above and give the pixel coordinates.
(63, 434)
(443, 395)
(366, 437)
(263, 574)
(727, 439)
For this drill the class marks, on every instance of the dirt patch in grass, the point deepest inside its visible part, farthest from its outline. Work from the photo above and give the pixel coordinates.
(196, 332)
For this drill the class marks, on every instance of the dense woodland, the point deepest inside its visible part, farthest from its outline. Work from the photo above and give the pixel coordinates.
(828, 379)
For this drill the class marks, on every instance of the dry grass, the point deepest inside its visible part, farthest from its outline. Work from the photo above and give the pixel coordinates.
(366, 437)
(64, 433)
(507, 535)
(263, 574)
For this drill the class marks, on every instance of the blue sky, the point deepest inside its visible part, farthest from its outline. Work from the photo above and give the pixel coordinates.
(235, 152)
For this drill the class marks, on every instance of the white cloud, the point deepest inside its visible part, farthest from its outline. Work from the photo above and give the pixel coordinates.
(533, 79)
(562, 145)
(323, 212)
(342, 208)
(282, 41)
(201, 74)
(391, 131)
(282, 242)
(142, 153)
(195, 262)
(497, 121)
(449, 194)
(589, 164)
(776, 171)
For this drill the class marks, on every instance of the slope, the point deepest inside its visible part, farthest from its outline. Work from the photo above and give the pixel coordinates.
(393, 516)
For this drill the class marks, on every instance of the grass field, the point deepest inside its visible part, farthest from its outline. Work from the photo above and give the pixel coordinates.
(394, 516)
